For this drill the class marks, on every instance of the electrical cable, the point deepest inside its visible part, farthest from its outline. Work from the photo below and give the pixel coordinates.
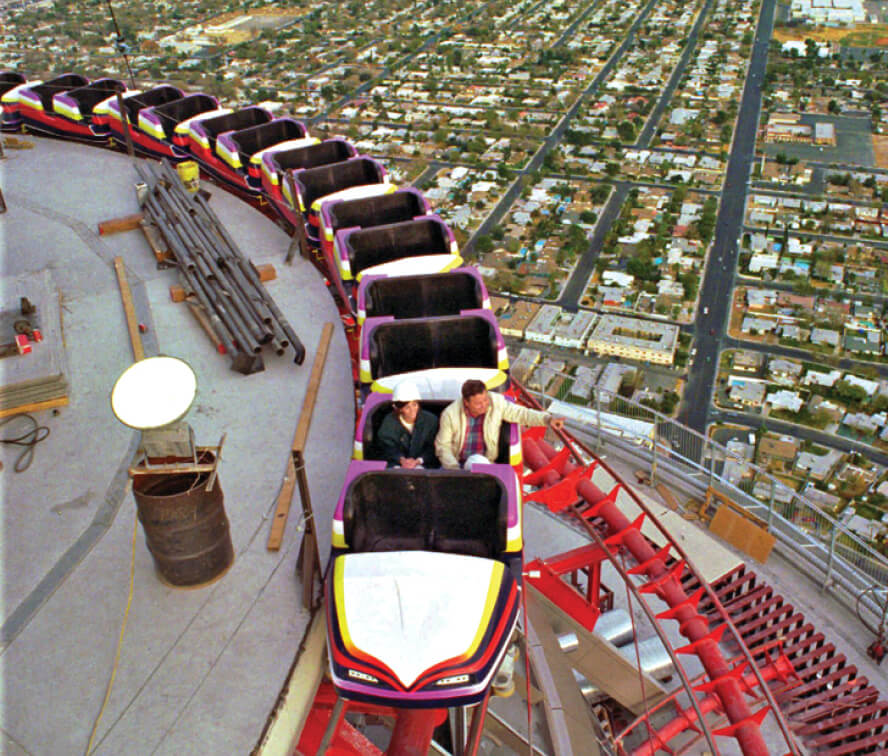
(129, 601)
(29, 439)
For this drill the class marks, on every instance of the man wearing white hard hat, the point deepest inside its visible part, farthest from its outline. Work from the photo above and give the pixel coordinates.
(407, 435)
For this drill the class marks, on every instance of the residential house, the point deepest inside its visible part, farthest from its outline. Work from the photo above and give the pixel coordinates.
(788, 401)
(584, 381)
(747, 361)
(818, 466)
(515, 320)
(819, 378)
(865, 423)
(745, 391)
(862, 342)
(754, 325)
(777, 450)
(825, 337)
(823, 500)
(737, 462)
(571, 331)
(760, 299)
(522, 366)
(784, 372)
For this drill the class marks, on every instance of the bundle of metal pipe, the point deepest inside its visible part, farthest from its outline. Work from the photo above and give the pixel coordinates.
(242, 314)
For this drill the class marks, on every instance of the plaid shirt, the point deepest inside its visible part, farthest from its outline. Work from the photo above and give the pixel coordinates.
(474, 442)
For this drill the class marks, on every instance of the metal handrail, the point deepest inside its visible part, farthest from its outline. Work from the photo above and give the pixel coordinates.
(842, 557)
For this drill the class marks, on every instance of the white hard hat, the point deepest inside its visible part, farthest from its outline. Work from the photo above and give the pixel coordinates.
(405, 391)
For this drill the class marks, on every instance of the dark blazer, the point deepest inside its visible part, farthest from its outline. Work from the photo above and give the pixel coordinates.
(396, 441)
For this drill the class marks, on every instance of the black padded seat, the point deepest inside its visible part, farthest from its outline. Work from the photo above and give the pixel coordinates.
(449, 511)
(436, 407)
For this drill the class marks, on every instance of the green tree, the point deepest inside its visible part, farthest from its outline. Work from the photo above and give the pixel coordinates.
(626, 131)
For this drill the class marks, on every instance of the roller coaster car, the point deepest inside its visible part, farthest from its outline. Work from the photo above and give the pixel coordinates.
(293, 156)
(34, 102)
(436, 354)
(163, 129)
(73, 110)
(107, 112)
(378, 406)
(313, 185)
(422, 245)
(211, 144)
(202, 133)
(364, 212)
(423, 583)
(242, 150)
(10, 83)
(422, 295)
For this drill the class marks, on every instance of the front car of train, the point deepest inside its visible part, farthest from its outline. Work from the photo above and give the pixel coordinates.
(424, 583)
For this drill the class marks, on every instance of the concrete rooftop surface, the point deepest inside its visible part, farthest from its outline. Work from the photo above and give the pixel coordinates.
(200, 669)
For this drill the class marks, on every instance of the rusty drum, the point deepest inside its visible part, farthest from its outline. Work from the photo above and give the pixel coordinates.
(186, 528)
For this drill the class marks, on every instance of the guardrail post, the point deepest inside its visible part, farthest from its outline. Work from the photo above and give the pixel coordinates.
(707, 449)
(654, 453)
(598, 418)
(771, 502)
(832, 554)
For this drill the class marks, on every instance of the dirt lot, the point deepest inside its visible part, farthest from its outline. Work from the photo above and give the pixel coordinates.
(867, 35)
(880, 150)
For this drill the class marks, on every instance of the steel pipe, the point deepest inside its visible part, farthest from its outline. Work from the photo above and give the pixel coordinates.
(202, 231)
(244, 339)
(691, 623)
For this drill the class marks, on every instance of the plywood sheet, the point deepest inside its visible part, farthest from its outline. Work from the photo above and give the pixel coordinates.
(741, 532)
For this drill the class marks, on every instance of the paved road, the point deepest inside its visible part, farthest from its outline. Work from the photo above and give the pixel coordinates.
(794, 192)
(556, 134)
(823, 237)
(715, 293)
(644, 139)
(803, 355)
(576, 284)
(802, 432)
(837, 294)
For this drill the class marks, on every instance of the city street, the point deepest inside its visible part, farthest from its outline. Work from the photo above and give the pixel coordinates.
(715, 293)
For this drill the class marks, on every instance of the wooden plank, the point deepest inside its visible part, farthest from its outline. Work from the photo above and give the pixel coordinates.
(201, 317)
(129, 310)
(266, 272)
(116, 225)
(155, 241)
(60, 401)
(311, 393)
(741, 532)
(279, 521)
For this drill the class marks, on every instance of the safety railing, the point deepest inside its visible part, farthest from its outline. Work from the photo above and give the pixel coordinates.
(817, 543)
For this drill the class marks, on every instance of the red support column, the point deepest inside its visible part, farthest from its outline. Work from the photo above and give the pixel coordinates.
(413, 731)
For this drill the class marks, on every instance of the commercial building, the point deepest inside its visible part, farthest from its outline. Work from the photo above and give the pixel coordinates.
(542, 327)
(571, 331)
(515, 320)
(634, 339)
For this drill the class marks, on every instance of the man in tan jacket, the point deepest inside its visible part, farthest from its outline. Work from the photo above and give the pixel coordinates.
(469, 428)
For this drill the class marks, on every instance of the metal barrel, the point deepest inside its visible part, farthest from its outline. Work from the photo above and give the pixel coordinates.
(186, 528)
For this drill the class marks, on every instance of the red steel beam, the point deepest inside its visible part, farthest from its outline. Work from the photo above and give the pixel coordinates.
(687, 718)
(692, 624)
